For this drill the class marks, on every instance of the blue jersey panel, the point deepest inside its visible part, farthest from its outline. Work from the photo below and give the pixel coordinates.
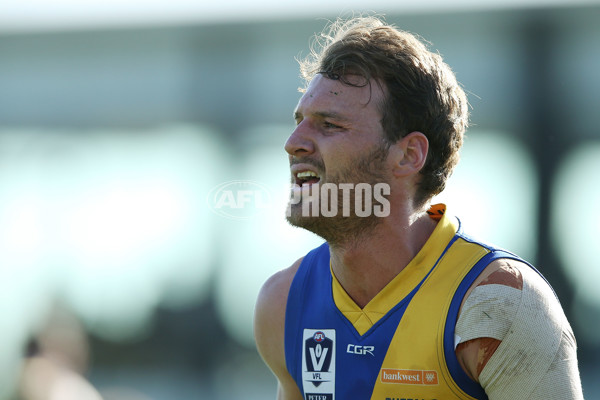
(311, 317)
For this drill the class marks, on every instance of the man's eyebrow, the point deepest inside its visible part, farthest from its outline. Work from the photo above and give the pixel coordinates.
(323, 114)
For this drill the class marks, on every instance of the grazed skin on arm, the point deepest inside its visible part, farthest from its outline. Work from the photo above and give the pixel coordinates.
(473, 355)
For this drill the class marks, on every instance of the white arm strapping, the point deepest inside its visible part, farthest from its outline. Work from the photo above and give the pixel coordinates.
(537, 357)
(489, 311)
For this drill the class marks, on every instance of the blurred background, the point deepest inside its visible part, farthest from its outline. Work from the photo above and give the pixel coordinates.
(143, 177)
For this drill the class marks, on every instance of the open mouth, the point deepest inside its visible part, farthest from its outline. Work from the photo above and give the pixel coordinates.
(307, 178)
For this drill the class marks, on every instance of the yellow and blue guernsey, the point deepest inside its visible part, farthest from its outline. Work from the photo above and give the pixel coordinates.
(400, 346)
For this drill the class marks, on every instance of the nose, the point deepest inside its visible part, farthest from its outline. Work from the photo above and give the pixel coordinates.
(300, 143)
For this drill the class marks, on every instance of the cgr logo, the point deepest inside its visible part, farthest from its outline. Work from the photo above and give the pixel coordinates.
(361, 350)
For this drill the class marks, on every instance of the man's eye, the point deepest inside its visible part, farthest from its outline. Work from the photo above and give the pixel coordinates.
(330, 125)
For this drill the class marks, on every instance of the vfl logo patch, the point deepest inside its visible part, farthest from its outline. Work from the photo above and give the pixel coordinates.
(318, 364)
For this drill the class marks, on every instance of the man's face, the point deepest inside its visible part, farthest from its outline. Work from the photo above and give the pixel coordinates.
(338, 139)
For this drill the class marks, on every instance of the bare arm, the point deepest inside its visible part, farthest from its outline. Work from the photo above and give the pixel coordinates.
(269, 324)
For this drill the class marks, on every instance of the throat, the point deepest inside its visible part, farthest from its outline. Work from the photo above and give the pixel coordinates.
(364, 285)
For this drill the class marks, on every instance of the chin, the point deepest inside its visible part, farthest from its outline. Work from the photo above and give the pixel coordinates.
(318, 225)
(337, 231)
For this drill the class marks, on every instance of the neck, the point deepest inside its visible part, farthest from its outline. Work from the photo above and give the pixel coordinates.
(365, 265)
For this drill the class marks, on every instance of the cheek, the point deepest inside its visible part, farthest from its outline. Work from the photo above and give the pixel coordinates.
(337, 158)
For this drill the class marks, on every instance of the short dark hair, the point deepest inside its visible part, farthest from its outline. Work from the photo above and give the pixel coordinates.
(421, 91)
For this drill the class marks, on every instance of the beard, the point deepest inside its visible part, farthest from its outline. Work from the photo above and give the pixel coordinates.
(344, 227)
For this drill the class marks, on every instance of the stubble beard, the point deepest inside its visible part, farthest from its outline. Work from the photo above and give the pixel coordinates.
(340, 230)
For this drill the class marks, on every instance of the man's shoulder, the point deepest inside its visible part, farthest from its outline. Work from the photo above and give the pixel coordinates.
(514, 273)
(269, 318)
(502, 271)
(277, 287)
(535, 332)
(510, 302)
(272, 298)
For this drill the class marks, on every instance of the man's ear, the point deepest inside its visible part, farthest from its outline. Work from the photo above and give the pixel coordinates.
(409, 154)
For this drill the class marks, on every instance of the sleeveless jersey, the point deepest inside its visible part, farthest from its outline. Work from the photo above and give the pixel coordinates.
(400, 346)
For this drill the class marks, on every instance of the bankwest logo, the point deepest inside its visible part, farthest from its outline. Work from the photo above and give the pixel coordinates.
(409, 376)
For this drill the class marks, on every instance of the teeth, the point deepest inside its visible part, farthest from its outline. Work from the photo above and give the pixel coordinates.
(307, 174)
